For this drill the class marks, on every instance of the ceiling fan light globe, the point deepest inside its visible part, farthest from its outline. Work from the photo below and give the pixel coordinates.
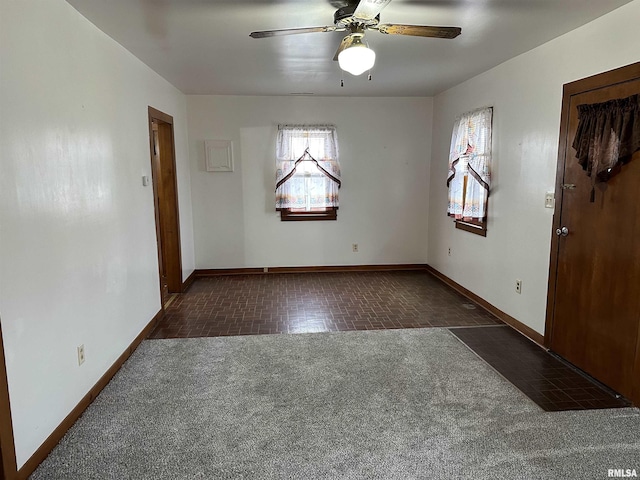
(357, 59)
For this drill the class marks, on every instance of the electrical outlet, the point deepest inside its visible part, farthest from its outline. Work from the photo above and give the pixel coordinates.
(354, 247)
(80, 355)
(449, 251)
(518, 286)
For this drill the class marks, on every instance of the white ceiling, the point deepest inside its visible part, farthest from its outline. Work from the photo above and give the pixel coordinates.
(203, 46)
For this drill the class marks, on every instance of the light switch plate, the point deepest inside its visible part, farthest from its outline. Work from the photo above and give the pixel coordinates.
(550, 200)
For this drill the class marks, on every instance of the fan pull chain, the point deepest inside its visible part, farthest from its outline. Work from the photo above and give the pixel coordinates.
(369, 75)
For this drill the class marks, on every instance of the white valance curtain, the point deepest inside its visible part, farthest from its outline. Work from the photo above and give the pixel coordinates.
(469, 176)
(307, 167)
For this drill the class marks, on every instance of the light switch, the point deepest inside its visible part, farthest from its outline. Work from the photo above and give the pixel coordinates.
(550, 200)
(145, 180)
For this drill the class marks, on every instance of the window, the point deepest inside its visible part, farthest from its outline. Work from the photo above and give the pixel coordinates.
(307, 172)
(469, 173)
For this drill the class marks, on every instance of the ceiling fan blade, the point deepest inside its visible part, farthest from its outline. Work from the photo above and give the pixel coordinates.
(346, 42)
(369, 9)
(291, 31)
(419, 30)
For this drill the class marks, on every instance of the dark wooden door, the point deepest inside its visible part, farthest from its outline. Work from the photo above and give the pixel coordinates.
(595, 313)
(168, 206)
(158, 193)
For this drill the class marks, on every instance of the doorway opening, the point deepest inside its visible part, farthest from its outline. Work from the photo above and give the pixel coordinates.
(165, 199)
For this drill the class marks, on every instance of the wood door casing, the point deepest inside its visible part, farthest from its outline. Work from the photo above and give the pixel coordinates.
(593, 313)
(165, 191)
(8, 465)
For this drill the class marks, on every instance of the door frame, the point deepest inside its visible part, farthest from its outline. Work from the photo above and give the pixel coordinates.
(595, 82)
(8, 465)
(174, 254)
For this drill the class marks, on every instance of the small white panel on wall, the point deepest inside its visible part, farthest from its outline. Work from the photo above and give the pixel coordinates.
(219, 155)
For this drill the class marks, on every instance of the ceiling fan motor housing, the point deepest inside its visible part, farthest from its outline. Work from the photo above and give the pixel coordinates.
(343, 18)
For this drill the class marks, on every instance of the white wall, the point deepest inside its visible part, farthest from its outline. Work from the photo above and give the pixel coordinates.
(385, 145)
(526, 93)
(78, 258)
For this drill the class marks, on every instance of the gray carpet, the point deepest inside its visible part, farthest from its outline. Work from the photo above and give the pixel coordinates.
(368, 405)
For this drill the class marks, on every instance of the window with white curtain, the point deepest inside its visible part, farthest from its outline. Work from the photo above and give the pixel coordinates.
(469, 176)
(307, 172)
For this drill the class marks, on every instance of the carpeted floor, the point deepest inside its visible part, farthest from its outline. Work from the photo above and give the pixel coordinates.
(369, 405)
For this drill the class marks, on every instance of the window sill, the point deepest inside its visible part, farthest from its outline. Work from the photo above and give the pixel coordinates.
(287, 215)
(472, 227)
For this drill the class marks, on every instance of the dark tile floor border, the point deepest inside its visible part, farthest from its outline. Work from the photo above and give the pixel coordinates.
(552, 383)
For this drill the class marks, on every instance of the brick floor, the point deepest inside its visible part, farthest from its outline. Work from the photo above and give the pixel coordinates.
(316, 302)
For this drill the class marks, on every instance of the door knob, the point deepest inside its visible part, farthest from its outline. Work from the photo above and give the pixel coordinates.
(564, 231)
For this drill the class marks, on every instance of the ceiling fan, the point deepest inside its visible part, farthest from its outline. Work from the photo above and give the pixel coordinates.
(356, 17)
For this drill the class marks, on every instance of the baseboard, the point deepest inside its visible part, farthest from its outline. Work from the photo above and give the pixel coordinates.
(38, 457)
(496, 312)
(187, 283)
(210, 272)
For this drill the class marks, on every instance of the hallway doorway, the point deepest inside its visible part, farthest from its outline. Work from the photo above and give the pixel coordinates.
(165, 195)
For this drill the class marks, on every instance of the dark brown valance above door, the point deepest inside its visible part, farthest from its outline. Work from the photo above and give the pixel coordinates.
(607, 136)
